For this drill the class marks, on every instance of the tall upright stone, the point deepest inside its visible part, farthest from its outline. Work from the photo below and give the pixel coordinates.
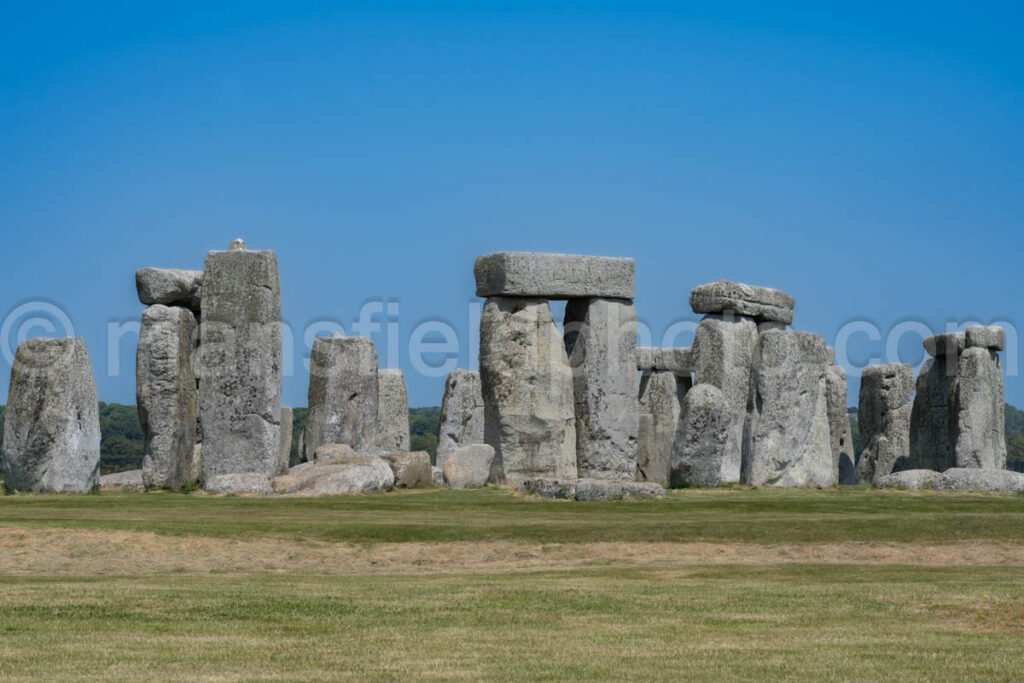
(462, 414)
(166, 394)
(285, 451)
(392, 411)
(343, 394)
(661, 400)
(51, 425)
(932, 417)
(980, 411)
(788, 440)
(527, 388)
(843, 458)
(702, 434)
(883, 418)
(240, 362)
(600, 338)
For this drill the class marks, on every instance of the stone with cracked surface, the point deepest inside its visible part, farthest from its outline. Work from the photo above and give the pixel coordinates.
(553, 276)
(661, 400)
(392, 411)
(343, 394)
(841, 431)
(462, 414)
(665, 359)
(702, 435)
(979, 410)
(170, 287)
(883, 417)
(763, 304)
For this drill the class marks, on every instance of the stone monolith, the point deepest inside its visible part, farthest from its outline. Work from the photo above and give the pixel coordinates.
(702, 435)
(843, 458)
(343, 394)
(980, 411)
(462, 414)
(883, 417)
(392, 411)
(661, 399)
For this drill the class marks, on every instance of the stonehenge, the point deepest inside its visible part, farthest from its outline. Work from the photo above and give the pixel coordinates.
(343, 394)
(392, 411)
(883, 416)
(703, 430)
(661, 399)
(462, 414)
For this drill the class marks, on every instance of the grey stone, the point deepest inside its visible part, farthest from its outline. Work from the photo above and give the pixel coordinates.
(462, 414)
(883, 417)
(788, 440)
(948, 344)
(527, 386)
(240, 483)
(392, 411)
(332, 454)
(359, 474)
(130, 480)
(343, 393)
(602, 489)
(196, 476)
(761, 303)
(985, 337)
(469, 466)
(285, 454)
(932, 418)
(240, 364)
(980, 411)
(970, 480)
(661, 399)
(170, 287)
(665, 359)
(843, 457)
(549, 488)
(912, 480)
(437, 476)
(600, 338)
(723, 351)
(51, 425)
(412, 470)
(165, 390)
(553, 276)
(702, 436)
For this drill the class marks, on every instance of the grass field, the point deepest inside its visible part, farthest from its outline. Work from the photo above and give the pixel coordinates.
(488, 585)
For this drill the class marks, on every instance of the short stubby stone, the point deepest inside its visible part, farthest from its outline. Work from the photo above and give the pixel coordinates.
(911, 480)
(411, 469)
(469, 466)
(240, 363)
(170, 287)
(665, 359)
(240, 483)
(552, 489)
(600, 338)
(462, 414)
(969, 480)
(343, 393)
(979, 410)
(947, 344)
(166, 395)
(702, 435)
(841, 431)
(723, 352)
(788, 440)
(661, 400)
(437, 476)
(602, 489)
(985, 337)
(932, 418)
(130, 480)
(554, 276)
(285, 452)
(360, 474)
(763, 304)
(51, 424)
(883, 417)
(392, 411)
(527, 387)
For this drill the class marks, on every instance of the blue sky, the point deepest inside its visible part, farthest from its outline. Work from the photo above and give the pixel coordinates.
(865, 157)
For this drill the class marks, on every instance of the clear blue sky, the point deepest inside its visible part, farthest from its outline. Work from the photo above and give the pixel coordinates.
(865, 157)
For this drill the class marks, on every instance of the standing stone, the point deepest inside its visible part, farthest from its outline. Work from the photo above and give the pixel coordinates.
(527, 387)
(884, 420)
(51, 425)
(240, 363)
(553, 276)
(392, 411)
(788, 441)
(703, 434)
(723, 351)
(600, 338)
(661, 399)
(285, 454)
(843, 458)
(980, 411)
(343, 393)
(932, 417)
(165, 388)
(462, 414)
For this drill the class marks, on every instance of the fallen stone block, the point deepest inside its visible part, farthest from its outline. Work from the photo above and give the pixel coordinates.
(241, 483)
(601, 489)
(970, 480)
(912, 480)
(131, 480)
(469, 466)
(411, 470)
(549, 488)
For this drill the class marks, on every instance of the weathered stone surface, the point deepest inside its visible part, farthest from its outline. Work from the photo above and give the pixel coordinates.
(240, 363)
(603, 489)
(553, 276)
(285, 454)
(359, 474)
(661, 399)
(948, 344)
(462, 414)
(332, 454)
(985, 337)
(977, 480)
(241, 483)
(51, 426)
(527, 386)
(412, 470)
(196, 476)
(761, 303)
(166, 394)
(932, 418)
(392, 411)
(665, 359)
(843, 458)
(469, 466)
(912, 480)
(130, 480)
(723, 351)
(883, 417)
(702, 435)
(788, 441)
(980, 411)
(343, 393)
(549, 488)
(600, 338)
(170, 287)
(437, 476)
